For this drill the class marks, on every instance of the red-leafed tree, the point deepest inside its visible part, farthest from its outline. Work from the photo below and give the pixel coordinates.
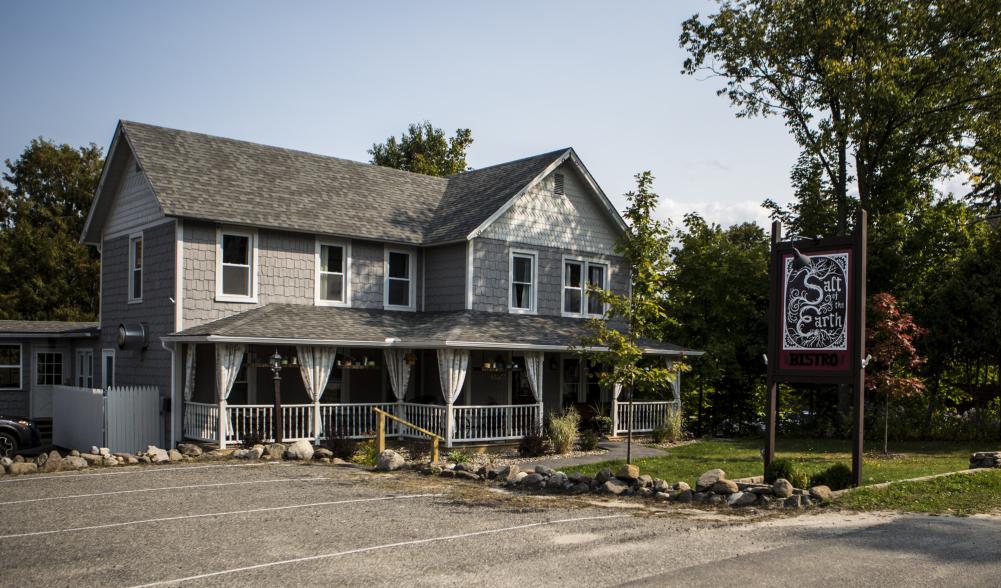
(890, 334)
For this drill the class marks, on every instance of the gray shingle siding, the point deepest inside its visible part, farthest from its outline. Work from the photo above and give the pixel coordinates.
(367, 260)
(134, 367)
(491, 273)
(446, 277)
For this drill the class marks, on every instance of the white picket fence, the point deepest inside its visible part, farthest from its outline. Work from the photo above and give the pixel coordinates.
(124, 418)
(647, 416)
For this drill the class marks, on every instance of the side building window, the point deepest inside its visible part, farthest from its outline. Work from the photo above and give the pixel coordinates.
(523, 279)
(136, 268)
(10, 367)
(85, 368)
(399, 284)
(332, 274)
(580, 276)
(236, 267)
(49, 368)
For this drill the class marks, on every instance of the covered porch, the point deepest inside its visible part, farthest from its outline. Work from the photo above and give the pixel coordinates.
(473, 386)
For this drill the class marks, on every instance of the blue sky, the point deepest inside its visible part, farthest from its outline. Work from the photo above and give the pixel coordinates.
(333, 78)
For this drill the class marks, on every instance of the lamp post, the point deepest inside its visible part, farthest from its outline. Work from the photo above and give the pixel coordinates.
(276, 369)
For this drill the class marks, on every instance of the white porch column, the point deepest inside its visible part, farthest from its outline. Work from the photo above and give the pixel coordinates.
(452, 364)
(221, 433)
(535, 365)
(616, 390)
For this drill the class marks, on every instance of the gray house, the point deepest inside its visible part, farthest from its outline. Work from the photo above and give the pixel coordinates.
(452, 302)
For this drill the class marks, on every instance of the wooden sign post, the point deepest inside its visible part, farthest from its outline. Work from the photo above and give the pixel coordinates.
(816, 327)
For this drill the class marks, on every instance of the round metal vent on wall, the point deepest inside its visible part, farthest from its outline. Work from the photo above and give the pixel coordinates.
(134, 336)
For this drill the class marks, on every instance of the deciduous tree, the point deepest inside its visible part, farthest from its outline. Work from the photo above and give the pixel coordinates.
(424, 149)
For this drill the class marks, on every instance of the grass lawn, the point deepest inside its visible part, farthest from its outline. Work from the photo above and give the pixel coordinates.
(742, 457)
(960, 494)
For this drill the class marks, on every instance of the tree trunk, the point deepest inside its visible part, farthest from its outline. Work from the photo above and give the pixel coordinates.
(841, 181)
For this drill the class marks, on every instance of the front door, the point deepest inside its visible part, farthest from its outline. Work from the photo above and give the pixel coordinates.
(49, 371)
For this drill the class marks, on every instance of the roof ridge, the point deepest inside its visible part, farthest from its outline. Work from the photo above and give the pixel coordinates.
(520, 159)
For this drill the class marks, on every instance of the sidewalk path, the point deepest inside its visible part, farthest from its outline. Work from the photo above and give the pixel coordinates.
(616, 450)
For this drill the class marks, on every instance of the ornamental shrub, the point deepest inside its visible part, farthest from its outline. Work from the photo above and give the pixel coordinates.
(588, 440)
(786, 468)
(836, 477)
(533, 444)
(563, 430)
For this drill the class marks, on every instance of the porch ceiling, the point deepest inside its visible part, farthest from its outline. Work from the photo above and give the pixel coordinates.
(284, 323)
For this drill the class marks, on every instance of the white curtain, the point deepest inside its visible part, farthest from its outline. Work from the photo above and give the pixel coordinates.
(534, 364)
(452, 364)
(315, 363)
(616, 390)
(228, 358)
(189, 373)
(399, 371)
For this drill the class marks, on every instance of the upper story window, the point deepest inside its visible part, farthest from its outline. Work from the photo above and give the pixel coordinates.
(579, 276)
(332, 273)
(399, 283)
(523, 280)
(49, 368)
(10, 366)
(136, 268)
(236, 268)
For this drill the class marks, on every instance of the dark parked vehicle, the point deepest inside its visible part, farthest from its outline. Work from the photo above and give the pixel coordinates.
(17, 435)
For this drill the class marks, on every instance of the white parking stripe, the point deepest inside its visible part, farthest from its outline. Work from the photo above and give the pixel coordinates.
(215, 514)
(188, 487)
(376, 548)
(138, 470)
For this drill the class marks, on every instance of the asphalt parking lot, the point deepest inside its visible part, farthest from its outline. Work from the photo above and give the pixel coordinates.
(290, 524)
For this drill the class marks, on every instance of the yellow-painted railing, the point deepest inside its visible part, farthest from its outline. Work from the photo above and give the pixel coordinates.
(380, 430)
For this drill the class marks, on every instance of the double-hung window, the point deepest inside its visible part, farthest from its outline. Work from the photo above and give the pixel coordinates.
(48, 368)
(10, 366)
(523, 280)
(236, 267)
(332, 274)
(399, 283)
(85, 368)
(580, 277)
(136, 268)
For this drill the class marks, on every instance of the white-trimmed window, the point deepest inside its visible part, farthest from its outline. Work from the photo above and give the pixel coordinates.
(107, 368)
(236, 266)
(85, 368)
(579, 276)
(136, 268)
(399, 283)
(48, 368)
(10, 366)
(523, 280)
(333, 273)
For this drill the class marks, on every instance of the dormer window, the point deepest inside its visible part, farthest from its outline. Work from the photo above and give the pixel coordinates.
(236, 255)
(523, 280)
(332, 274)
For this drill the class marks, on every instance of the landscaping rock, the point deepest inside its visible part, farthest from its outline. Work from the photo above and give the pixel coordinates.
(545, 471)
(254, 452)
(661, 486)
(303, 450)
(628, 472)
(104, 452)
(821, 494)
(764, 500)
(174, 455)
(446, 473)
(682, 486)
(533, 480)
(323, 453)
(92, 458)
(94, 450)
(604, 475)
(465, 467)
(725, 487)
(518, 477)
(5, 462)
(738, 499)
(131, 460)
(558, 480)
(645, 492)
(18, 459)
(40, 459)
(577, 478)
(73, 462)
(74, 453)
(684, 496)
(507, 473)
(758, 489)
(715, 499)
(782, 488)
(339, 461)
(791, 502)
(985, 459)
(20, 468)
(645, 481)
(274, 451)
(662, 496)
(614, 486)
(110, 460)
(189, 450)
(580, 488)
(465, 475)
(53, 463)
(699, 497)
(387, 461)
(708, 479)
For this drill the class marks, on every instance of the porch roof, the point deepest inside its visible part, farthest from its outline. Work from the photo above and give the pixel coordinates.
(47, 329)
(292, 324)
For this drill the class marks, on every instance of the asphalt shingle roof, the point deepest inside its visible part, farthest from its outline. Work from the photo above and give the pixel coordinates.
(285, 321)
(63, 328)
(229, 181)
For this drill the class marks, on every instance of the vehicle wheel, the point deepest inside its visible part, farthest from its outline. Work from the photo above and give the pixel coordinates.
(8, 445)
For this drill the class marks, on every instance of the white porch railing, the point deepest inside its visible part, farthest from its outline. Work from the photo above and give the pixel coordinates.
(201, 421)
(425, 416)
(647, 416)
(356, 421)
(494, 423)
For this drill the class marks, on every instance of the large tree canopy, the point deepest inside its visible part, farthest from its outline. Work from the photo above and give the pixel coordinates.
(47, 274)
(894, 93)
(424, 149)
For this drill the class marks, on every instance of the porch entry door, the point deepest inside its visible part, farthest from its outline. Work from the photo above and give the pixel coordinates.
(50, 370)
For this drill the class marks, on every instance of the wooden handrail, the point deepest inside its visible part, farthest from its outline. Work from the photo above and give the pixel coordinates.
(381, 432)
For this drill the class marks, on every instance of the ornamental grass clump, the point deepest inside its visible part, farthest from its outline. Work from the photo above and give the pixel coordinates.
(671, 429)
(366, 453)
(563, 430)
(787, 469)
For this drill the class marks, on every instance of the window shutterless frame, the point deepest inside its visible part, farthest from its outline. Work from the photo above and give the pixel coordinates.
(399, 286)
(85, 368)
(11, 361)
(523, 277)
(48, 367)
(236, 265)
(135, 268)
(107, 368)
(578, 274)
(329, 275)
